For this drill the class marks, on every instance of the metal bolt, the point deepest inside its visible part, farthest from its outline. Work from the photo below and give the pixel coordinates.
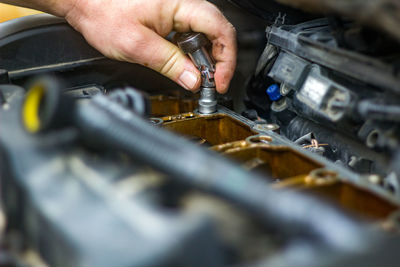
(284, 89)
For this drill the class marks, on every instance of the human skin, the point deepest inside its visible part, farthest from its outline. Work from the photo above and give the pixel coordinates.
(134, 31)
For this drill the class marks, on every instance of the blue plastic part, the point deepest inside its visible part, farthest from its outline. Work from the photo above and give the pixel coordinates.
(273, 92)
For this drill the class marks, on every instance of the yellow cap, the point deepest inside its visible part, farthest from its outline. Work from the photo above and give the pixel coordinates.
(31, 108)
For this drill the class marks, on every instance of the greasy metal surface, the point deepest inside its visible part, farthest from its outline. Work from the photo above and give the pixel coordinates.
(215, 129)
(258, 149)
(324, 183)
(162, 105)
(354, 199)
(293, 170)
(273, 160)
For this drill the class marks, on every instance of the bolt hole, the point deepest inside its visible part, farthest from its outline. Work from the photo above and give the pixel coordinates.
(156, 121)
(391, 189)
(372, 139)
(321, 177)
(323, 174)
(260, 139)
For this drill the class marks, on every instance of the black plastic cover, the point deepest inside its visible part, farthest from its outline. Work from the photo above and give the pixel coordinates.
(269, 10)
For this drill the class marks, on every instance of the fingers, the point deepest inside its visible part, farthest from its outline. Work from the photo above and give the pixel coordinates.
(149, 49)
(110, 28)
(210, 21)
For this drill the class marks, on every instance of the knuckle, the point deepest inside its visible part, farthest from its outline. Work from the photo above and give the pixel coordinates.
(167, 67)
(231, 29)
(212, 10)
(211, 7)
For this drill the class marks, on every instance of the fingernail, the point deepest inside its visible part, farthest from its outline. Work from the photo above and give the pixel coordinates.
(188, 80)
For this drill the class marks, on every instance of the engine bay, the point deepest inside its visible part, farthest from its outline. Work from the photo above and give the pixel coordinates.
(297, 167)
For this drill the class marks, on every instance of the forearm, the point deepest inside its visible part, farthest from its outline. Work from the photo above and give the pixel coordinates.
(56, 7)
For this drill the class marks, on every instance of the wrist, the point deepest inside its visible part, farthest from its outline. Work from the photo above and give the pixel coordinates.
(79, 11)
(61, 8)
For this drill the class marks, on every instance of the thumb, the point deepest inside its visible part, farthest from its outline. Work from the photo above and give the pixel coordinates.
(157, 53)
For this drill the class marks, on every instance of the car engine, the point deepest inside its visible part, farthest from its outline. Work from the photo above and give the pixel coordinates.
(107, 163)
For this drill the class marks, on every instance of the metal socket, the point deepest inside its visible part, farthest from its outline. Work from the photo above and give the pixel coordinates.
(194, 45)
(190, 42)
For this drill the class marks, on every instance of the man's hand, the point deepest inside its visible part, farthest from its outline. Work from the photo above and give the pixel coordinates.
(133, 31)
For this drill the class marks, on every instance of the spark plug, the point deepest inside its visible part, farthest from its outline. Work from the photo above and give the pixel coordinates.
(194, 44)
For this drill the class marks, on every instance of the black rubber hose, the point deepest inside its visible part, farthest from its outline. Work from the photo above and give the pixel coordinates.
(370, 109)
(108, 124)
